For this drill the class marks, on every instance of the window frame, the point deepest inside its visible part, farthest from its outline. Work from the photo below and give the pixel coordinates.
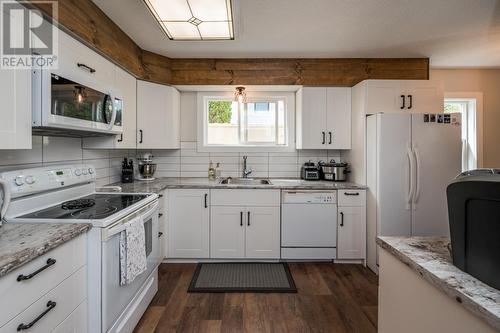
(473, 117)
(289, 107)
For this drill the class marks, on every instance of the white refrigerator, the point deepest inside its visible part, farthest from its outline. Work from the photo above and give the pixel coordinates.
(411, 158)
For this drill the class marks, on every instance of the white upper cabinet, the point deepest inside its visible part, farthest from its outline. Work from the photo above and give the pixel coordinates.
(15, 113)
(158, 116)
(79, 63)
(124, 89)
(324, 118)
(338, 118)
(408, 96)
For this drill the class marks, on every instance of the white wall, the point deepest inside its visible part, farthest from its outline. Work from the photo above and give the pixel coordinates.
(486, 81)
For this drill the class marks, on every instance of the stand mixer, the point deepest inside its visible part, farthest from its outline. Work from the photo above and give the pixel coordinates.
(145, 167)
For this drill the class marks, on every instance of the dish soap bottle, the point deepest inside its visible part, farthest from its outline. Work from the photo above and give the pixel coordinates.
(218, 171)
(211, 171)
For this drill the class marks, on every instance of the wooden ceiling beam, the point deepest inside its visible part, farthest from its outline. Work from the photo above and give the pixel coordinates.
(88, 23)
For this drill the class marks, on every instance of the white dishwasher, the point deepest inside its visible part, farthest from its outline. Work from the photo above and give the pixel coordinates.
(309, 225)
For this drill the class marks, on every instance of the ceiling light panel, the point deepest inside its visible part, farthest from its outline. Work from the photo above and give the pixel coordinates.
(194, 19)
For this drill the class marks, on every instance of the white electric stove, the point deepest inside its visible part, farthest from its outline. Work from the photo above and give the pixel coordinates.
(67, 194)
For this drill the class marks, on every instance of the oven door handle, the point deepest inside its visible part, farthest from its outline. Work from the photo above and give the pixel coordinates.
(121, 225)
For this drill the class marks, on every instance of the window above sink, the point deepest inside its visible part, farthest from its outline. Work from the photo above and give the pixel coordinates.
(262, 123)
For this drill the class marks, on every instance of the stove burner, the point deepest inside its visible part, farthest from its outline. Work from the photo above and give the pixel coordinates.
(78, 204)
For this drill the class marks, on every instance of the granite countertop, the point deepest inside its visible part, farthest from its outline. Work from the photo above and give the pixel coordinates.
(159, 184)
(20, 243)
(430, 258)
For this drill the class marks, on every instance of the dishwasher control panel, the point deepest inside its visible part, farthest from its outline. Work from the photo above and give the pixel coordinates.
(310, 197)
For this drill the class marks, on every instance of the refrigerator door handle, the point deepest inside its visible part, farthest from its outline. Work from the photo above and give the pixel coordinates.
(409, 194)
(417, 177)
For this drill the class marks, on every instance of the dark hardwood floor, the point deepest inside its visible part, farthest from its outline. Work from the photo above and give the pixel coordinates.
(330, 298)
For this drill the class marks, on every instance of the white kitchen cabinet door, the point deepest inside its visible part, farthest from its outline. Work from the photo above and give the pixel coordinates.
(158, 116)
(227, 232)
(351, 233)
(125, 88)
(385, 96)
(424, 97)
(79, 63)
(15, 113)
(311, 123)
(338, 118)
(406, 96)
(263, 233)
(188, 223)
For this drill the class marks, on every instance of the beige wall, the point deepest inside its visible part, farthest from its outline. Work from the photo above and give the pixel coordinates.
(486, 81)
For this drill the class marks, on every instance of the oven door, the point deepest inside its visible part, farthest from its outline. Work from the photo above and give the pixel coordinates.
(115, 297)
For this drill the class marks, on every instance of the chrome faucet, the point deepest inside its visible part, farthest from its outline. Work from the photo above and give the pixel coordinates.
(245, 171)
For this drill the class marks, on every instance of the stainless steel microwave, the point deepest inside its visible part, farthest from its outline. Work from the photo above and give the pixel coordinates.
(63, 107)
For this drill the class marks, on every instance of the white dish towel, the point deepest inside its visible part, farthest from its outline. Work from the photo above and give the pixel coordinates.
(133, 259)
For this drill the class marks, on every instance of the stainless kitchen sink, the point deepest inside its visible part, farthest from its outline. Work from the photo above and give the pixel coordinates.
(245, 181)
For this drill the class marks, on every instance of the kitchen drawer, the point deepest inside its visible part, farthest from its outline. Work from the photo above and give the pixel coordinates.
(67, 296)
(18, 295)
(352, 198)
(76, 321)
(250, 197)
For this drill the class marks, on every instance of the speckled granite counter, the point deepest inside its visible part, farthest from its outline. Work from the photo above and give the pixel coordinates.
(22, 242)
(430, 258)
(160, 184)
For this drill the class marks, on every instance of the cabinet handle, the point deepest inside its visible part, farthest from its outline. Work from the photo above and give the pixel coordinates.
(50, 306)
(330, 141)
(160, 215)
(347, 193)
(140, 140)
(248, 218)
(160, 195)
(206, 197)
(121, 138)
(22, 277)
(241, 219)
(341, 219)
(410, 97)
(160, 234)
(324, 138)
(403, 99)
(90, 69)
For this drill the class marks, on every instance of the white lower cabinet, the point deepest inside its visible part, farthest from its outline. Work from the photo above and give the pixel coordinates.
(245, 224)
(263, 232)
(50, 300)
(245, 232)
(227, 232)
(162, 224)
(351, 233)
(188, 223)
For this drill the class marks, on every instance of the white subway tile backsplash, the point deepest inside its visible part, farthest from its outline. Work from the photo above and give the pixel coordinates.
(23, 156)
(56, 149)
(195, 160)
(89, 154)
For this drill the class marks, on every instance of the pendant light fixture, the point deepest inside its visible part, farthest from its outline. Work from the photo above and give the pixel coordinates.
(240, 95)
